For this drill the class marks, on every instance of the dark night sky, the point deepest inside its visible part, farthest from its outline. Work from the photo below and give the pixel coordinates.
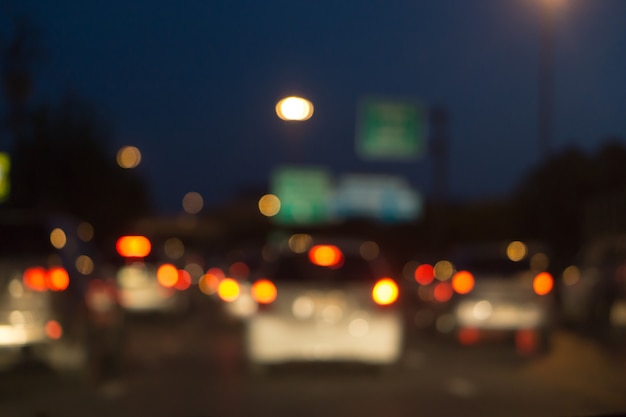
(193, 83)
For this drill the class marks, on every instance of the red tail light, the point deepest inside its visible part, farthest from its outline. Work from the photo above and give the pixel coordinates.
(228, 290)
(443, 292)
(264, 291)
(424, 274)
(463, 282)
(183, 281)
(35, 278)
(385, 292)
(543, 283)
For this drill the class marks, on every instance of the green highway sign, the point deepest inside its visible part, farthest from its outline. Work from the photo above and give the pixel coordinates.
(390, 129)
(304, 194)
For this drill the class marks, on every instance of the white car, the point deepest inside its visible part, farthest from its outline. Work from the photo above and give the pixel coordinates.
(323, 300)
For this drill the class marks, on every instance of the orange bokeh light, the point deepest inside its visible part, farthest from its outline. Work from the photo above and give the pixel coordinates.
(58, 279)
(35, 278)
(264, 291)
(463, 282)
(325, 255)
(167, 275)
(543, 283)
(133, 246)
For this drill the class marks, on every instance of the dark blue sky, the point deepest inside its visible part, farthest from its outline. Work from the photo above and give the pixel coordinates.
(193, 84)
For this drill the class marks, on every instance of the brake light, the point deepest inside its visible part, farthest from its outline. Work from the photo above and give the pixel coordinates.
(133, 246)
(228, 290)
(35, 278)
(183, 280)
(58, 279)
(264, 291)
(463, 282)
(54, 330)
(385, 292)
(424, 274)
(443, 292)
(326, 255)
(543, 283)
(167, 275)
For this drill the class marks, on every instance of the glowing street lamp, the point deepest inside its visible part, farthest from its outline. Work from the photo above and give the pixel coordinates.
(294, 108)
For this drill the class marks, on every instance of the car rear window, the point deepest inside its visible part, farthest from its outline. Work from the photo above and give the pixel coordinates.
(301, 269)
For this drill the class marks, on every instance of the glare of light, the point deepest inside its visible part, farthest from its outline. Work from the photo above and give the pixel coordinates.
(424, 274)
(228, 290)
(294, 108)
(84, 264)
(208, 283)
(183, 280)
(543, 283)
(468, 336)
(385, 292)
(516, 251)
(85, 232)
(482, 310)
(128, 157)
(300, 242)
(264, 291)
(193, 202)
(571, 275)
(58, 238)
(269, 205)
(174, 248)
(54, 330)
(443, 292)
(133, 246)
(369, 250)
(463, 282)
(539, 262)
(239, 270)
(443, 270)
(358, 327)
(35, 278)
(167, 275)
(303, 307)
(325, 255)
(58, 279)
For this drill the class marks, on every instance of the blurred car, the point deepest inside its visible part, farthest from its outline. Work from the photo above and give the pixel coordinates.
(324, 300)
(490, 291)
(148, 281)
(593, 293)
(58, 301)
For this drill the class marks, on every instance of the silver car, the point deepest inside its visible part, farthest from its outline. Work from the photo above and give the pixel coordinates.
(325, 300)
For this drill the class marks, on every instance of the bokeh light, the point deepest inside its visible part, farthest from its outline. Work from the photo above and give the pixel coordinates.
(443, 292)
(193, 202)
(424, 274)
(385, 292)
(463, 282)
(85, 232)
(516, 251)
(174, 248)
(325, 255)
(58, 279)
(300, 242)
(128, 157)
(369, 250)
(264, 291)
(167, 275)
(543, 283)
(269, 205)
(294, 108)
(84, 264)
(571, 275)
(228, 290)
(58, 238)
(443, 270)
(133, 246)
